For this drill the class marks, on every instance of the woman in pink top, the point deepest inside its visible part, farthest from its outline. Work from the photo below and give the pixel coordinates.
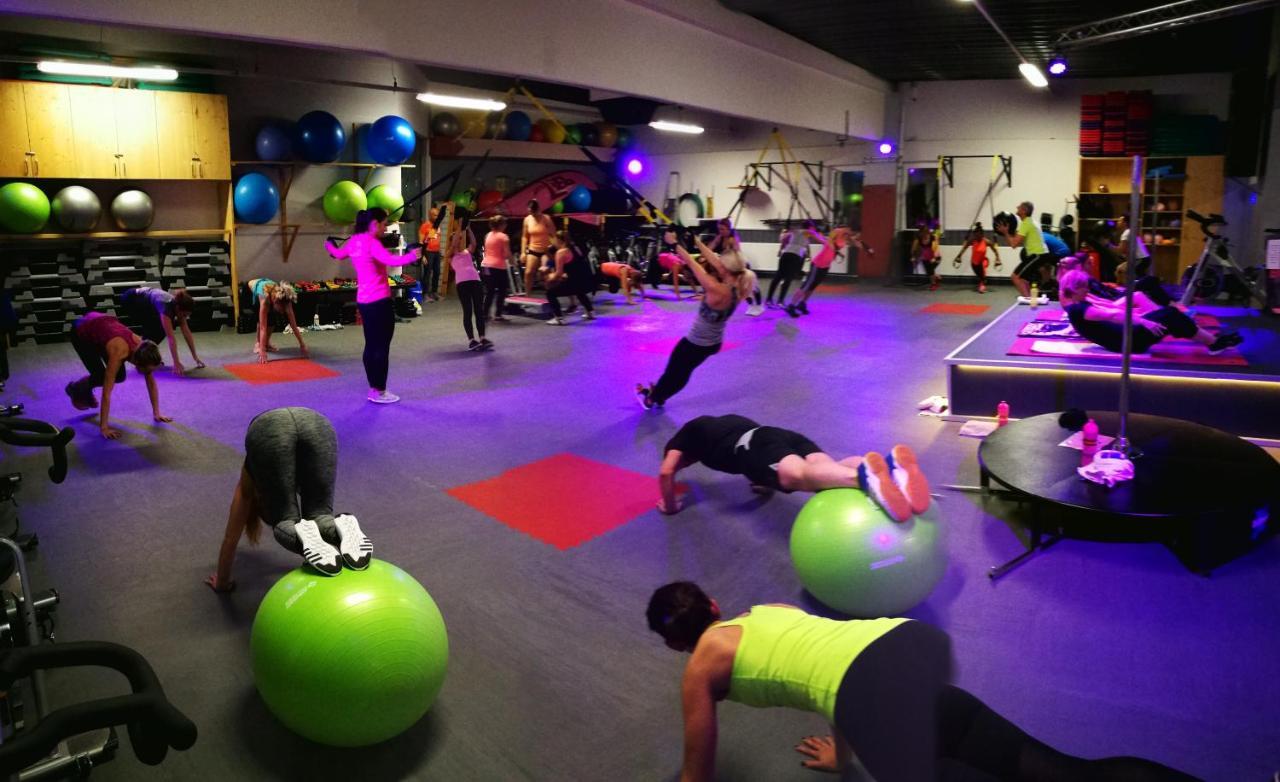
(373, 295)
(497, 251)
(832, 246)
(460, 252)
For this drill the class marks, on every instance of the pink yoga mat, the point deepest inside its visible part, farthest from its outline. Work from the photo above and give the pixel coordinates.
(1178, 351)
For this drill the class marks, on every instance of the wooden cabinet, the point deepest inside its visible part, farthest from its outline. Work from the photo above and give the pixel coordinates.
(85, 132)
(212, 147)
(15, 147)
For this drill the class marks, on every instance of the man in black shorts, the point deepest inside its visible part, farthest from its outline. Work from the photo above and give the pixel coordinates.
(779, 459)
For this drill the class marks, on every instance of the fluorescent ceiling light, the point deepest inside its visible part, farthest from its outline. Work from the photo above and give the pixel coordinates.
(63, 68)
(1033, 74)
(459, 102)
(675, 127)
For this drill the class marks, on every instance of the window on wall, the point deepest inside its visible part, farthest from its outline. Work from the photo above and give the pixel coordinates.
(847, 209)
(922, 197)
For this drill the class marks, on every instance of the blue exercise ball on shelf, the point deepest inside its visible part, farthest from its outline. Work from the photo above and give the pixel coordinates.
(390, 140)
(319, 137)
(578, 200)
(519, 126)
(256, 199)
(273, 142)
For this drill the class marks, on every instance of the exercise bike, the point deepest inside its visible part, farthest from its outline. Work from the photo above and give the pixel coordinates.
(35, 742)
(1216, 270)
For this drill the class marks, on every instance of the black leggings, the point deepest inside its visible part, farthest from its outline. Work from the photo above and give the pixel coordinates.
(980, 269)
(379, 318)
(1178, 323)
(789, 266)
(94, 363)
(569, 288)
(1154, 290)
(431, 274)
(143, 313)
(291, 453)
(816, 275)
(471, 294)
(496, 285)
(685, 358)
(975, 744)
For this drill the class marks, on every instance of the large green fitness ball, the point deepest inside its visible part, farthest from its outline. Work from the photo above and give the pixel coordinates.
(349, 660)
(850, 555)
(388, 198)
(343, 200)
(24, 208)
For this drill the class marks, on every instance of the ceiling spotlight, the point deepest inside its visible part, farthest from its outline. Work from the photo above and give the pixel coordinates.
(1033, 74)
(1057, 65)
(885, 148)
(635, 166)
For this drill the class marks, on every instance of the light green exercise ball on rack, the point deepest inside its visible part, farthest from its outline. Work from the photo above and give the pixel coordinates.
(343, 200)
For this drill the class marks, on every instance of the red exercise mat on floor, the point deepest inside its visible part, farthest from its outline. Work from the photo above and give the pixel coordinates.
(1178, 351)
(564, 500)
(941, 308)
(281, 370)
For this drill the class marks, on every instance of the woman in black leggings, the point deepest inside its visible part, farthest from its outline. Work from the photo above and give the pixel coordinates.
(880, 683)
(290, 463)
(793, 249)
(571, 276)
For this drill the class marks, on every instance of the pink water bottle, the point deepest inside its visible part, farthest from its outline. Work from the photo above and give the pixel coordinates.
(1002, 414)
(1088, 442)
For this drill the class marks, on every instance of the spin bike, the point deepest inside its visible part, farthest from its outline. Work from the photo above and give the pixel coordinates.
(36, 742)
(1216, 270)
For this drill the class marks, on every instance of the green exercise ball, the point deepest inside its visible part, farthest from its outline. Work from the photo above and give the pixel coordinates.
(349, 660)
(342, 200)
(854, 558)
(388, 198)
(463, 199)
(573, 134)
(24, 208)
(557, 208)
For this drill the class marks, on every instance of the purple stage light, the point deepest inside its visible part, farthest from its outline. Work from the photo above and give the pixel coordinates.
(885, 148)
(1057, 66)
(634, 166)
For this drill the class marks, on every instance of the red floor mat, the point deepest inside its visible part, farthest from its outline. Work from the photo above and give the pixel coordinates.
(941, 308)
(1178, 351)
(564, 500)
(284, 370)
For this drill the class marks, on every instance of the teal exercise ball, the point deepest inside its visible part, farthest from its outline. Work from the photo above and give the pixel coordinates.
(24, 208)
(388, 198)
(256, 199)
(349, 660)
(76, 209)
(343, 200)
(854, 558)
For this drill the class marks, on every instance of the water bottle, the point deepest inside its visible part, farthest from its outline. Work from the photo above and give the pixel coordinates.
(315, 320)
(1035, 295)
(1002, 414)
(1088, 442)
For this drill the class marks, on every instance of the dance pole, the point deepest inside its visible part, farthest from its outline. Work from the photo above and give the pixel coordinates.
(1135, 224)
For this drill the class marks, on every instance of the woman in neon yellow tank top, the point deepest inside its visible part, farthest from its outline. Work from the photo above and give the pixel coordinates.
(880, 683)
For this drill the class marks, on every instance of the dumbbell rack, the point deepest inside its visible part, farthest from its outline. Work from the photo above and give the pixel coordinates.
(204, 270)
(47, 291)
(111, 268)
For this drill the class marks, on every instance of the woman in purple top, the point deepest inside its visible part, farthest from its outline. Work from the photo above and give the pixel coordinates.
(373, 295)
(104, 344)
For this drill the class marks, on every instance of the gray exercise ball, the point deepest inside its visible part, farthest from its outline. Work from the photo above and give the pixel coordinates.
(77, 209)
(133, 210)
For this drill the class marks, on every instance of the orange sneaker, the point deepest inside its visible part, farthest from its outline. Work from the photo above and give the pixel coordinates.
(877, 480)
(909, 478)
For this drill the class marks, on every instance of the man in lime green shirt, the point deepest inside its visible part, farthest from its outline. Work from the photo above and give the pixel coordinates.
(1035, 255)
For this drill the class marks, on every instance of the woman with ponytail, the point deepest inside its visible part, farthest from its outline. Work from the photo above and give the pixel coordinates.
(373, 295)
(726, 283)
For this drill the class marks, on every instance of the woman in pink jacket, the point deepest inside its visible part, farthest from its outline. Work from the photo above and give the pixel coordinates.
(373, 295)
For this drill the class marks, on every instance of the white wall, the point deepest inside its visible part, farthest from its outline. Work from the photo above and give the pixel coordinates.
(692, 52)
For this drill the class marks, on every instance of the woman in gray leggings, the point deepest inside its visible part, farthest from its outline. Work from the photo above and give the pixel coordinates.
(291, 460)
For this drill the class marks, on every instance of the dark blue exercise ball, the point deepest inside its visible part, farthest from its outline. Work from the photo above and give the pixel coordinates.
(256, 199)
(273, 142)
(390, 140)
(578, 200)
(519, 126)
(319, 137)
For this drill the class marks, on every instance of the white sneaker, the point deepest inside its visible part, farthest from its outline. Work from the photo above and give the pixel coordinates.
(355, 546)
(754, 310)
(315, 550)
(383, 398)
(588, 316)
(555, 322)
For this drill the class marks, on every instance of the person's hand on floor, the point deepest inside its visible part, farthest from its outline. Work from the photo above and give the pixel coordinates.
(221, 587)
(679, 504)
(262, 357)
(178, 368)
(110, 434)
(821, 751)
(161, 418)
(199, 364)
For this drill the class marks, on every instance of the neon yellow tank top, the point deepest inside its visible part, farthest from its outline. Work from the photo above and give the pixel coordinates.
(787, 657)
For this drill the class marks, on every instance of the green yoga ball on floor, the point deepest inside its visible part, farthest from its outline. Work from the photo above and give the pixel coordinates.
(349, 660)
(24, 208)
(343, 200)
(854, 558)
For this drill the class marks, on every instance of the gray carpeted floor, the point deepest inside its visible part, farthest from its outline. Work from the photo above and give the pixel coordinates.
(1098, 649)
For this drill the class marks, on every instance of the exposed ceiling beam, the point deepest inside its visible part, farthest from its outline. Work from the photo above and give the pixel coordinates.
(1153, 20)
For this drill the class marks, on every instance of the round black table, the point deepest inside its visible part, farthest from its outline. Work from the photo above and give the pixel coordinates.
(1207, 494)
